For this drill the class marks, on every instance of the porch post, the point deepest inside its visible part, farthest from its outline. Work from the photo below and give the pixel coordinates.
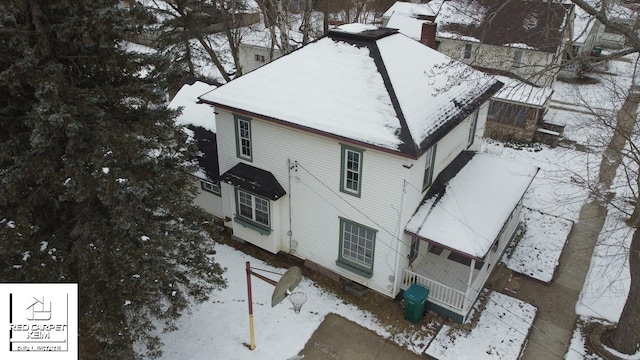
(473, 266)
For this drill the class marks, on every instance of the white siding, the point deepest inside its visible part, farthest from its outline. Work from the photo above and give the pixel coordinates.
(391, 190)
(207, 201)
(247, 55)
(535, 65)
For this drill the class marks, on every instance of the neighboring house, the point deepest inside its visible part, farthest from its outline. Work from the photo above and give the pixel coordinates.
(201, 127)
(371, 169)
(526, 38)
(622, 12)
(256, 48)
(586, 36)
(516, 112)
(514, 42)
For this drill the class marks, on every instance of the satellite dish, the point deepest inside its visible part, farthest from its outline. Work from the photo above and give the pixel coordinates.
(289, 280)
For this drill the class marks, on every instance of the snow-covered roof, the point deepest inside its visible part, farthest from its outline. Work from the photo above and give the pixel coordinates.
(194, 113)
(520, 92)
(368, 84)
(467, 205)
(413, 9)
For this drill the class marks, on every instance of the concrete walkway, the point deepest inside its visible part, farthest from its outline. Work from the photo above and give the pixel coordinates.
(556, 318)
(339, 338)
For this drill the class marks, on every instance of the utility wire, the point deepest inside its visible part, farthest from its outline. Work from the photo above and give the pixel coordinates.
(398, 239)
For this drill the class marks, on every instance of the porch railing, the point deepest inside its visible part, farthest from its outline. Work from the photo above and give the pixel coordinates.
(437, 291)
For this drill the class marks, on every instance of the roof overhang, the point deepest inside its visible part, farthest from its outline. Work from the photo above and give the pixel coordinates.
(254, 180)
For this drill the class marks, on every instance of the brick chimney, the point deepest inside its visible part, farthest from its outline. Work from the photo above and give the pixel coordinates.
(428, 34)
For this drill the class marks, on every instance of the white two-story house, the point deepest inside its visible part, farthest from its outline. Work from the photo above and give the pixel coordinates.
(357, 154)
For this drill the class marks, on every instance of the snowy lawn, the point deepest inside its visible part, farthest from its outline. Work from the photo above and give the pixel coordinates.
(607, 284)
(558, 189)
(219, 328)
(537, 253)
(500, 333)
(221, 325)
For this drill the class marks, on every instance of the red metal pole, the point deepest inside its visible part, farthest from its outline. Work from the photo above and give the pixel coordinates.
(251, 331)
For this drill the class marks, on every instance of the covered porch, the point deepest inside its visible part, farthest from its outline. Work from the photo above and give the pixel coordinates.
(462, 227)
(450, 277)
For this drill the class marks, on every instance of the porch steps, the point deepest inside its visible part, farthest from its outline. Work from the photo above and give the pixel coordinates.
(549, 133)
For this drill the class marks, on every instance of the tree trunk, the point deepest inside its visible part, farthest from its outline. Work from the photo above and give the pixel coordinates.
(306, 22)
(626, 336)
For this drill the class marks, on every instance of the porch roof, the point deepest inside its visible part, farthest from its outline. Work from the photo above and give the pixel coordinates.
(520, 92)
(470, 201)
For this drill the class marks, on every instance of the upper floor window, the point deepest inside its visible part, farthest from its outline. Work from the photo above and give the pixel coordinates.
(243, 138)
(468, 51)
(472, 129)
(517, 58)
(351, 170)
(260, 58)
(430, 156)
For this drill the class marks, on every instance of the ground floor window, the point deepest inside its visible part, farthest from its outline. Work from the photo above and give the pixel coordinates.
(210, 187)
(253, 208)
(508, 114)
(357, 245)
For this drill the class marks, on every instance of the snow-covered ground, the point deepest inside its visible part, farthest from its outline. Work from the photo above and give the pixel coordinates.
(500, 333)
(537, 253)
(221, 325)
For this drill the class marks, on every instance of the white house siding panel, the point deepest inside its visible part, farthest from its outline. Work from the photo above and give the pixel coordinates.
(247, 56)
(480, 126)
(316, 201)
(534, 64)
(207, 201)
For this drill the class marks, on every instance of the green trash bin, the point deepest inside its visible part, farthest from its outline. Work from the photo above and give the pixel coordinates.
(415, 298)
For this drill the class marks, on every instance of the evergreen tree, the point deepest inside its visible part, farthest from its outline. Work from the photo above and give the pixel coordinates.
(95, 185)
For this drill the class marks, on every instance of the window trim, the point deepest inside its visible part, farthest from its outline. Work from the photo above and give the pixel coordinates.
(517, 57)
(467, 52)
(344, 149)
(239, 153)
(427, 179)
(251, 222)
(352, 264)
(214, 188)
(473, 128)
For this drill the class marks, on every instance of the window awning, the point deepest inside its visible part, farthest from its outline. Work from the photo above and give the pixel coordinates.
(254, 180)
(470, 201)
